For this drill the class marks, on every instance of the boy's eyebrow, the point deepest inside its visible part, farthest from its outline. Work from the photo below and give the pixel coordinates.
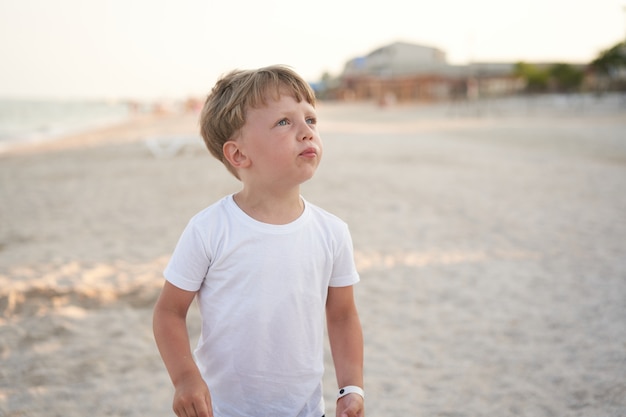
(290, 113)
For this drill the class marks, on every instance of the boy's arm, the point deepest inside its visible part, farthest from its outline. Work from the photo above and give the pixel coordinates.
(192, 398)
(346, 343)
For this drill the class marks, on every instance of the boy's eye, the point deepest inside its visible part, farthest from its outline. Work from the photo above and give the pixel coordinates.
(283, 122)
(311, 120)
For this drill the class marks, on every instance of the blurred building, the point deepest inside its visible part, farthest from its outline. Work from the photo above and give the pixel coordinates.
(409, 72)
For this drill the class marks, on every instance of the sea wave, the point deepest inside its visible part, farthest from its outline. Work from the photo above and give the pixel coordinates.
(37, 120)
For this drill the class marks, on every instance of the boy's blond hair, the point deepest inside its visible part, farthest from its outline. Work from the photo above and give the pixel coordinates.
(224, 111)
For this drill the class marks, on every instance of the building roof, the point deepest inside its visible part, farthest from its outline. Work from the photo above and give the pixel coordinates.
(400, 59)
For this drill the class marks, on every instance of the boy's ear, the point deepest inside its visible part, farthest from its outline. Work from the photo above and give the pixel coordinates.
(234, 155)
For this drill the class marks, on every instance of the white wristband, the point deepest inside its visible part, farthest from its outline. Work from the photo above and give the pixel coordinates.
(351, 389)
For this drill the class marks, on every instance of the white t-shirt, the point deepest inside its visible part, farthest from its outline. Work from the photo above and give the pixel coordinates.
(262, 293)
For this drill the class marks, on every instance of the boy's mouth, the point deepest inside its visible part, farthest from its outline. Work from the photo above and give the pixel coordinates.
(309, 153)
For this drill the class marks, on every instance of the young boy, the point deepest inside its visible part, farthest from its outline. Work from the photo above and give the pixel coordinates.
(266, 266)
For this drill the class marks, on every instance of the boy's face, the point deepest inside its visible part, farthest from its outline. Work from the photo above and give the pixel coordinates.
(281, 141)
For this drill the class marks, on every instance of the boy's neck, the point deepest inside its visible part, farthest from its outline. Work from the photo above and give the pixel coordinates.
(271, 208)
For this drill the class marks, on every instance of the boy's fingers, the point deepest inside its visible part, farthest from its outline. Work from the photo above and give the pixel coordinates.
(203, 408)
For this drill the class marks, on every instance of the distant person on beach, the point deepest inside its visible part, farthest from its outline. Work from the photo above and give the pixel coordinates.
(266, 265)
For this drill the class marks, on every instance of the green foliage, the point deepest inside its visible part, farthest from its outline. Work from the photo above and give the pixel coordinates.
(562, 77)
(566, 77)
(536, 78)
(611, 59)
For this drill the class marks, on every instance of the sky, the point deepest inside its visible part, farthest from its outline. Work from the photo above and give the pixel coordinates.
(169, 49)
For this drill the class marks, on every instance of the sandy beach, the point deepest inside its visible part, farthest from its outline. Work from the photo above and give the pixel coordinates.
(490, 238)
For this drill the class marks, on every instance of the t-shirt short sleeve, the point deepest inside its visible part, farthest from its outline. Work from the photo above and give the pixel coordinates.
(344, 269)
(190, 260)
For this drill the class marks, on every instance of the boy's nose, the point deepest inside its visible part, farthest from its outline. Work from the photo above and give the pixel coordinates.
(306, 132)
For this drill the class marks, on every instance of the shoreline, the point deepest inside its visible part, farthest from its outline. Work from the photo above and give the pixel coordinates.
(354, 117)
(133, 129)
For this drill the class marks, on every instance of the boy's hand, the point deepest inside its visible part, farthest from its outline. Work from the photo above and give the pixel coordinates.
(192, 398)
(350, 405)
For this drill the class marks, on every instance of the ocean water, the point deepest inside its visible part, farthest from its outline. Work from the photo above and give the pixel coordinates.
(36, 121)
